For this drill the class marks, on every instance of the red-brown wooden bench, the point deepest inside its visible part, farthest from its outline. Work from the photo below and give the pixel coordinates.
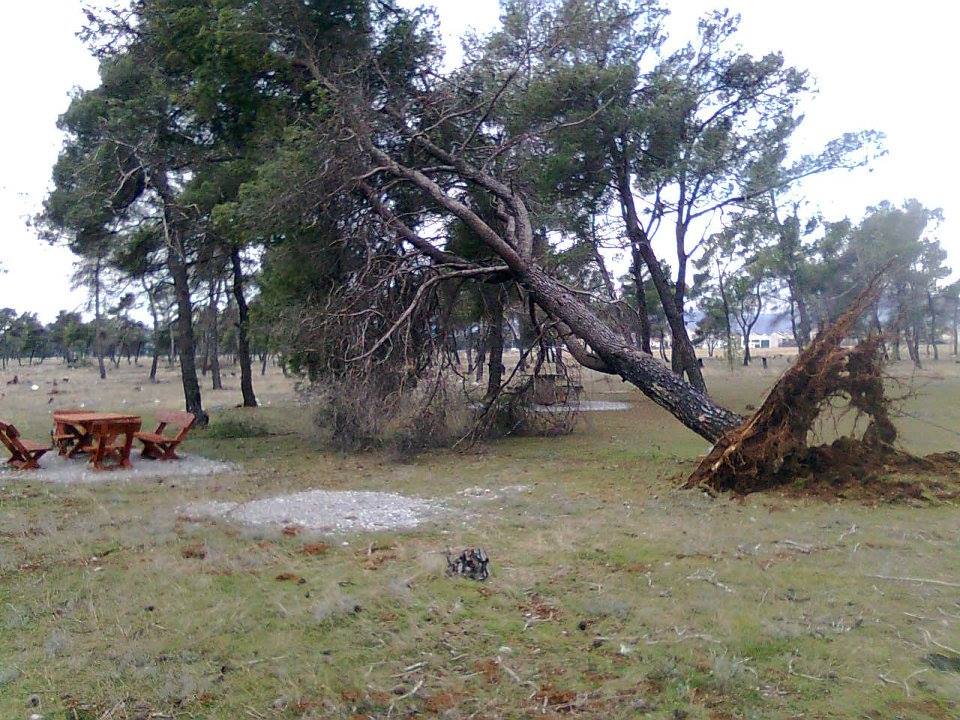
(157, 445)
(24, 454)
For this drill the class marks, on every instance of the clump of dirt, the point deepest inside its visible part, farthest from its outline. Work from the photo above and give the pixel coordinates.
(848, 469)
(769, 450)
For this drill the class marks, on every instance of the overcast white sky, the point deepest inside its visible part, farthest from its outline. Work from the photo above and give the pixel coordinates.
(881, 64)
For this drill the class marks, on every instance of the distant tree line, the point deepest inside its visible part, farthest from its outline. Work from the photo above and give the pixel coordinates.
(72, 340)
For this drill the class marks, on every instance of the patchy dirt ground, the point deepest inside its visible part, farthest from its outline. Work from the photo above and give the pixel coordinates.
(612, 593)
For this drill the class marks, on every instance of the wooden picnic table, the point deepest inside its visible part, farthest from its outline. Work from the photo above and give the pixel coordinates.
(97, 434)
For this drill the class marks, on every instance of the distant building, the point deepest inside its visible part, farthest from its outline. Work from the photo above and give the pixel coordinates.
(772, 330)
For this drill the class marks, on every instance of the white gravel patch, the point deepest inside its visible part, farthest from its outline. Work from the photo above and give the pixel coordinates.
(483, 493)
(60, 470)
(583, 406)
(325, 511)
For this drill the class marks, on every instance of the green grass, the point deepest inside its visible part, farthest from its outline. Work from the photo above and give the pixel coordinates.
(612, 595)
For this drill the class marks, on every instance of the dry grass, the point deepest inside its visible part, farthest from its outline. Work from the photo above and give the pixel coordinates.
(612, 593)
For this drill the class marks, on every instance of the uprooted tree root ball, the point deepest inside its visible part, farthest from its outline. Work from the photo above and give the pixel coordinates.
(770, 448)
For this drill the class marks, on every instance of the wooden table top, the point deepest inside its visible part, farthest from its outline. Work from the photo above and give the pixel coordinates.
(89, 417)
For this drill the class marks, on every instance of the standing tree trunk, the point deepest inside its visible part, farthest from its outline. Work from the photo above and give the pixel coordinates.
(172, 348)
(913, 345)
(802, 326)
(98, 319)
(728, 329)
(186, 343)
(956, 323)
(481, 356)
(213, 334)
(151, 303)
(932, 307)
(494, 343)
(243, 325)
(643, 315)
(681, 345)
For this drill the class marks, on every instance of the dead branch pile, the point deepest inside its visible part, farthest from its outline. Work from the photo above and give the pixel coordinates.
(770, 448)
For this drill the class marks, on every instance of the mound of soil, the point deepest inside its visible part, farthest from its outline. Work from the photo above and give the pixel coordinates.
(850, 469)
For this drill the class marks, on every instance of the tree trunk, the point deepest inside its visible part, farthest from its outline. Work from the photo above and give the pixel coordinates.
(154, 361)
(956, 325)
(186, 344)
(803, 328)
(726, 316)
(214, 342)
(685, 353)
(494, 342)
(98, 320)
(213, 334)
(151, 304)
(689, 405)
(643, 314)
(243, 324)
(913, 345)
(177, 266)
(481, 356)
(932, 307)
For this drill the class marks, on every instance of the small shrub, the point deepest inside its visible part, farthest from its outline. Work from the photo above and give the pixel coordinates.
(360, 416)
(236, 428)
(353, 414)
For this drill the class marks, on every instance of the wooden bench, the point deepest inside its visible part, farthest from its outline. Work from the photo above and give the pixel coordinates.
(157, 445)
(24, 454)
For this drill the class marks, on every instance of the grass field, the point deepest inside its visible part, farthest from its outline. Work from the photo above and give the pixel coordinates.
(612, 595)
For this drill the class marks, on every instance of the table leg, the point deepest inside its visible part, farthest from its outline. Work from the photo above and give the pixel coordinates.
(125, 450)
(82, 439)
(102, 442)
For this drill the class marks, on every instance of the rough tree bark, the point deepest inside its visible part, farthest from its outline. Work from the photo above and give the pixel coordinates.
(177, 267)
(155, 360)
(98, 317)
(243, 325)
(640, 294)
(494, 344)
(213, 334)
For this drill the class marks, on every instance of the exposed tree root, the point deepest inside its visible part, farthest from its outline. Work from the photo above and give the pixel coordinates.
(770, 448)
